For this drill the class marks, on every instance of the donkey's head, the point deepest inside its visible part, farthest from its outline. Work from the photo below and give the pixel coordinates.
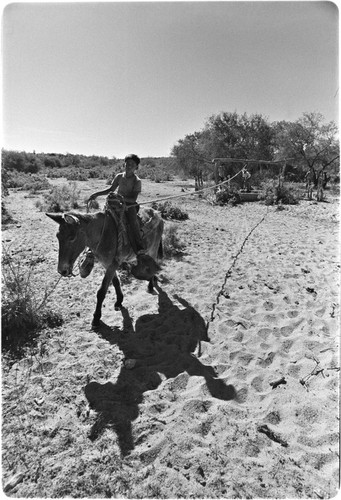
(71, 241)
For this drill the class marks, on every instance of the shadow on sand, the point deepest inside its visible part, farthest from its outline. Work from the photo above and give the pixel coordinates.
(160, 343)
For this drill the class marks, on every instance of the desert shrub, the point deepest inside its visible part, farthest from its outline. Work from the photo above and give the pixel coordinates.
(36, 183)
(27, 182)
(24, 305)
(171, 241)
(60, 198)
(273, 192)
(228, 195)
(6, 216)
(77, 174)
(53, 173)
(16, 180)
(169, 211)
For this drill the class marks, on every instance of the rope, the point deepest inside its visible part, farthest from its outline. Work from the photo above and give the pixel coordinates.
(190, 194)
(229, 271)
(180, 195)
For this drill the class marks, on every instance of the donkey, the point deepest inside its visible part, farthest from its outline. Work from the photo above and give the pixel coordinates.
(101, 233)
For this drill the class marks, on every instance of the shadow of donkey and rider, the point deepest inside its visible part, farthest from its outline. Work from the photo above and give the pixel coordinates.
(160, 343)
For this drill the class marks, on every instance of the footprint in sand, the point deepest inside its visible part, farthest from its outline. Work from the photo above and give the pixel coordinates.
(287, 345)
(264, 346)
(268, 306)
(273, 417)
(196, 406)
(251, 450)
(307, 415)
(266, 361)
(238, 337)
(293, 313)
(286, 331)
(245, 358)
(257, 383)
(242, 395)
(264, 333)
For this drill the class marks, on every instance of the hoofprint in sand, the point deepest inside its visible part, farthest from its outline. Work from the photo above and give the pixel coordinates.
(234, 387)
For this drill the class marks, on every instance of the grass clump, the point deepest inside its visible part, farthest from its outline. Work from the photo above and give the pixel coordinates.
(273, 192)
(169, 211)
(24, 305)
(60, 199)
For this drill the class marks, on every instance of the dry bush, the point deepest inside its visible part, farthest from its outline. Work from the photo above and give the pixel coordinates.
(24, 304)
(228, 195)
(273, 192)
(77, 174)
(171, 241)
(169, 211)
(60, 199)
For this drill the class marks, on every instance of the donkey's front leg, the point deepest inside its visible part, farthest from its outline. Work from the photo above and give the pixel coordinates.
(110, 272)
(118, 290)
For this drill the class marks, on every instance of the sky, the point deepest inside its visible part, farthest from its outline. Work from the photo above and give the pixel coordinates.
(115, 78)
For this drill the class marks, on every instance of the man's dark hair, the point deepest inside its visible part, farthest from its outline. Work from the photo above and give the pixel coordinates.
(135, 158)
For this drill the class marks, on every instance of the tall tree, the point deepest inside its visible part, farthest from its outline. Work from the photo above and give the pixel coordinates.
(311, 143)
(231, 135)
(190, 155)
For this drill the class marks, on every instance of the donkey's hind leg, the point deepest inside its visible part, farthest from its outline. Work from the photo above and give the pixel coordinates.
(118, 290)
(108, 277)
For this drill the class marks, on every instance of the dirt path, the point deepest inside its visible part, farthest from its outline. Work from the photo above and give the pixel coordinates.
(252, 302)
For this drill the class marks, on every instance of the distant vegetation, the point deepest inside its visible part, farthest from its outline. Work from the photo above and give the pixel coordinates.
(20, 168)
(32, 171)
(311, 145)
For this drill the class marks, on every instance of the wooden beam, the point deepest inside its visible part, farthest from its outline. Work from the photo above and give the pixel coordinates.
(240, 160)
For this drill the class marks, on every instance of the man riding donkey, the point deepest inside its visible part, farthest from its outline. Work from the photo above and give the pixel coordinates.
(128, 186)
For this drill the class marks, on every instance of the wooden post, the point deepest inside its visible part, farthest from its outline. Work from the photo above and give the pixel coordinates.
(216, 174)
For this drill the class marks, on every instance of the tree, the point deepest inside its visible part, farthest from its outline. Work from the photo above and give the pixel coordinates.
(231, 135)
(224, 135)
(311, 144)
(190, 156)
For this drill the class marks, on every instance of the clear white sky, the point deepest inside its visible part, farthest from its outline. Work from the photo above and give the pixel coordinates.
(115, 78)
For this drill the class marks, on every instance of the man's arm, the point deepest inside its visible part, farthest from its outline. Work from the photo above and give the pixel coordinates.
(99, 193)
(112, 188)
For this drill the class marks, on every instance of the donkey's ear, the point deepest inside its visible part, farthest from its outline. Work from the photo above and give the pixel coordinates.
(56, 217)
(71, 219)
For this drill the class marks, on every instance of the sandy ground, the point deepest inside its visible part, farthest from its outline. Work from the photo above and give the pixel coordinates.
(234, 392)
